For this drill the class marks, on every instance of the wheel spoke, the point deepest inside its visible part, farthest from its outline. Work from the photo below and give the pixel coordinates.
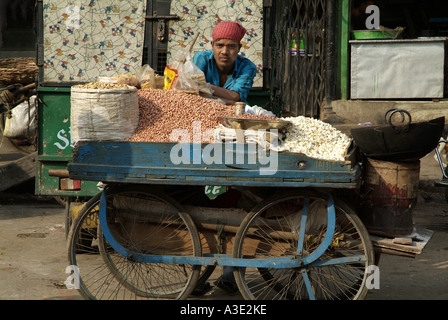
(308, 285)
(302, 226)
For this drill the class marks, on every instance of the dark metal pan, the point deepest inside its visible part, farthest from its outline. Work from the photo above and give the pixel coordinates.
(405, 141)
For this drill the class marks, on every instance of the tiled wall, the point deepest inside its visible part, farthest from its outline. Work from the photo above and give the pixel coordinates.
(87, 39)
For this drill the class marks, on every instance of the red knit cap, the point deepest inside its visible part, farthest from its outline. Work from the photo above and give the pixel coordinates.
(229, 30)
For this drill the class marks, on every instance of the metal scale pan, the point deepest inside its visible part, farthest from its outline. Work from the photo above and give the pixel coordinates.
(254, 124)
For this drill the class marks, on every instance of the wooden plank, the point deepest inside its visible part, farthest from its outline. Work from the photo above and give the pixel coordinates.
(406, 241)
(18, 171)
(152, 172)
(109, 177)
(420, 239)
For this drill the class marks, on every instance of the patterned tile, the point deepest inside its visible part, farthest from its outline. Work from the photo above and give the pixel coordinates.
(87, 39)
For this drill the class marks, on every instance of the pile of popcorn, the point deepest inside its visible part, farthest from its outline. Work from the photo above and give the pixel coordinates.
(315, 139)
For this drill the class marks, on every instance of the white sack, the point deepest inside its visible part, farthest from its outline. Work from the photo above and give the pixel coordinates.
(103, 114)
(22, 124)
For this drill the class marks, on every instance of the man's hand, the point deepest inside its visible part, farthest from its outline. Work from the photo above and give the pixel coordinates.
(228, 96)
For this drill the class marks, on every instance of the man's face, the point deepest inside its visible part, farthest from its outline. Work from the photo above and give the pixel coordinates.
(225, 52)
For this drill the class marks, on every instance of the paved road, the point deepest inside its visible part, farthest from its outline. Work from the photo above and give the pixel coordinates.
(33, 255)
(424, 277)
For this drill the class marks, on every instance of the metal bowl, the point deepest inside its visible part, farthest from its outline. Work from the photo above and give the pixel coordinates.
(253, 124)
(409, 142)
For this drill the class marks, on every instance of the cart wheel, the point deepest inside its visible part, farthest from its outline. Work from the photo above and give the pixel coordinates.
(135, 221)
(83, 229)
(336, 270)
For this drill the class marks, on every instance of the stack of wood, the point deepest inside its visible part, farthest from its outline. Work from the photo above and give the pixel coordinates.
(18, 71)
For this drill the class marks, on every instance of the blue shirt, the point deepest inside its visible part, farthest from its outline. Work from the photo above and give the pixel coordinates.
(241, 79)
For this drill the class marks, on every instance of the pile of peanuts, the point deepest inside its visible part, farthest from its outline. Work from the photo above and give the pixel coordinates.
(103, 85)
(162, 111)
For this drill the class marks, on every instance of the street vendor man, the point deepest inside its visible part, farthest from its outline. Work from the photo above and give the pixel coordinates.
(230, 75)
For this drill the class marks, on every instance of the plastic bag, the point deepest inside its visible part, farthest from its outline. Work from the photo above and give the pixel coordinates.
(259, 111)
(177, 76)
(146, 77)
(198, 77)
(21, 124)
(264, 138)
(129, 79)
(183, 74)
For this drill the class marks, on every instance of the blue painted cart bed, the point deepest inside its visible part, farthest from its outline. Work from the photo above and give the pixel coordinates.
(152, 163)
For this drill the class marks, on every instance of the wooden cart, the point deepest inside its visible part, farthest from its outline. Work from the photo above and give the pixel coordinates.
(154, 234)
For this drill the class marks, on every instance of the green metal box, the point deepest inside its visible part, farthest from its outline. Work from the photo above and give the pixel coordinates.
(55, 147)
